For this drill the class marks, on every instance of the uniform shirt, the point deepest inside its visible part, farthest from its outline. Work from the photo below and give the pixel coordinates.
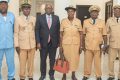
(25, 32)
(113, 29)
(7, 31)
(94, 33)
(71, 31)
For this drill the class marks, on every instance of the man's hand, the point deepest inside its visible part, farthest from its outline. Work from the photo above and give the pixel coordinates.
(105, 48)
(18, 50)
(38, 46)
(61, 53)
(80, 50)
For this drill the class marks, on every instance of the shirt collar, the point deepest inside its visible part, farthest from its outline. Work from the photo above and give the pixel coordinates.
(48, 15)
(25, 17)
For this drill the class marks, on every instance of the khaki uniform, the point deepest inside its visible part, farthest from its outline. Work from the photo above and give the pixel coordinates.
(25, 39)
(71, 41)
(113, 28)
(93, 39)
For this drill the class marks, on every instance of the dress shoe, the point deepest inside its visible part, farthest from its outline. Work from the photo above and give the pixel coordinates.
(118, 79)
(63, 78)
(85, 78)
(42, 78)
(12, 79)
(30, 78)
(110, 78)
(99, 78)
(52, 78)
(74, 78)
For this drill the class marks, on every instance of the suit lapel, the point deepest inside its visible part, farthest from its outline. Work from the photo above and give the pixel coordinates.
(45, 21)
(52, 21)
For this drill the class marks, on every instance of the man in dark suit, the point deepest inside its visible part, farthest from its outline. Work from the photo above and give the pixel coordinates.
(47, 37)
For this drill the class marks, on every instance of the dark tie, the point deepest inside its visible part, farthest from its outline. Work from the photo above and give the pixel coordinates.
(93, 21)
(117, 20)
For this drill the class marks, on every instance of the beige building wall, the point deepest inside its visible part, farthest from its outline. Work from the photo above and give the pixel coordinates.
(59, 6)
(14, 7)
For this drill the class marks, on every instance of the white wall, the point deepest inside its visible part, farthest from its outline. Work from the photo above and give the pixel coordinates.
(116, 2)
(60, 7)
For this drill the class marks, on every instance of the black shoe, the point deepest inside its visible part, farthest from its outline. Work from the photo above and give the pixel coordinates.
(99, 78)
(52, 78)
(85, 78)
(110, 78)
(30, 78)
(12, 79)
(22, 79)
(42, 78)
(118, 79)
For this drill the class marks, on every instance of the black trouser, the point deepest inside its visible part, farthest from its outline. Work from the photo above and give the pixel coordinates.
(43, 55)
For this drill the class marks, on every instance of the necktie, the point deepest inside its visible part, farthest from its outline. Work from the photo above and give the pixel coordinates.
(93, 21)
(117, 20)
(49, 25)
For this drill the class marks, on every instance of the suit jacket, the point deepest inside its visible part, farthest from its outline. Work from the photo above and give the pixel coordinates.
(24, 32)
(42, 31)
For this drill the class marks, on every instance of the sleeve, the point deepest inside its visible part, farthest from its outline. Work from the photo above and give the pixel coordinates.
(16, 33)
(80, 26)
(104, 29)
(37, 30)
(108, 27)
(84, 27)
(62, 26)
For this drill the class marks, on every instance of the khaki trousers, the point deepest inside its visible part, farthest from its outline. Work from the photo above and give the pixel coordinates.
(88, 59)
(26, 59)
(112, 56)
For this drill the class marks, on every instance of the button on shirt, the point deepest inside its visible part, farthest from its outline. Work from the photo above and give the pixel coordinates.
(6, 31)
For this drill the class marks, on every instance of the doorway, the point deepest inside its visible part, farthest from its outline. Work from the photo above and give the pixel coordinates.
(82, 12)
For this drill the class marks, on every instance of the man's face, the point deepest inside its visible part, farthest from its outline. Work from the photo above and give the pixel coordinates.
(116, 12)
(70, 13)
(26, 11)
(94, 14)
(3, 7)
(48, 9)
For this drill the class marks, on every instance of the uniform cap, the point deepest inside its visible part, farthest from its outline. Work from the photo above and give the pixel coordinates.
(94, 8)
(70, 7)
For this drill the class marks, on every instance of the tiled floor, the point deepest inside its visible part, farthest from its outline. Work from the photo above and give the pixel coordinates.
(58, 76)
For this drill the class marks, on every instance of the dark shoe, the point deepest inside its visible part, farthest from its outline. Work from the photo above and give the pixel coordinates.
(30, 78)
(42, 78)
(99, 78)
(117, 58)
(64, 77)
(110, 78)
(74, 78)
(85, 78)
(12, 79)
(22, 79)
(52, 78)
(118, 79)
